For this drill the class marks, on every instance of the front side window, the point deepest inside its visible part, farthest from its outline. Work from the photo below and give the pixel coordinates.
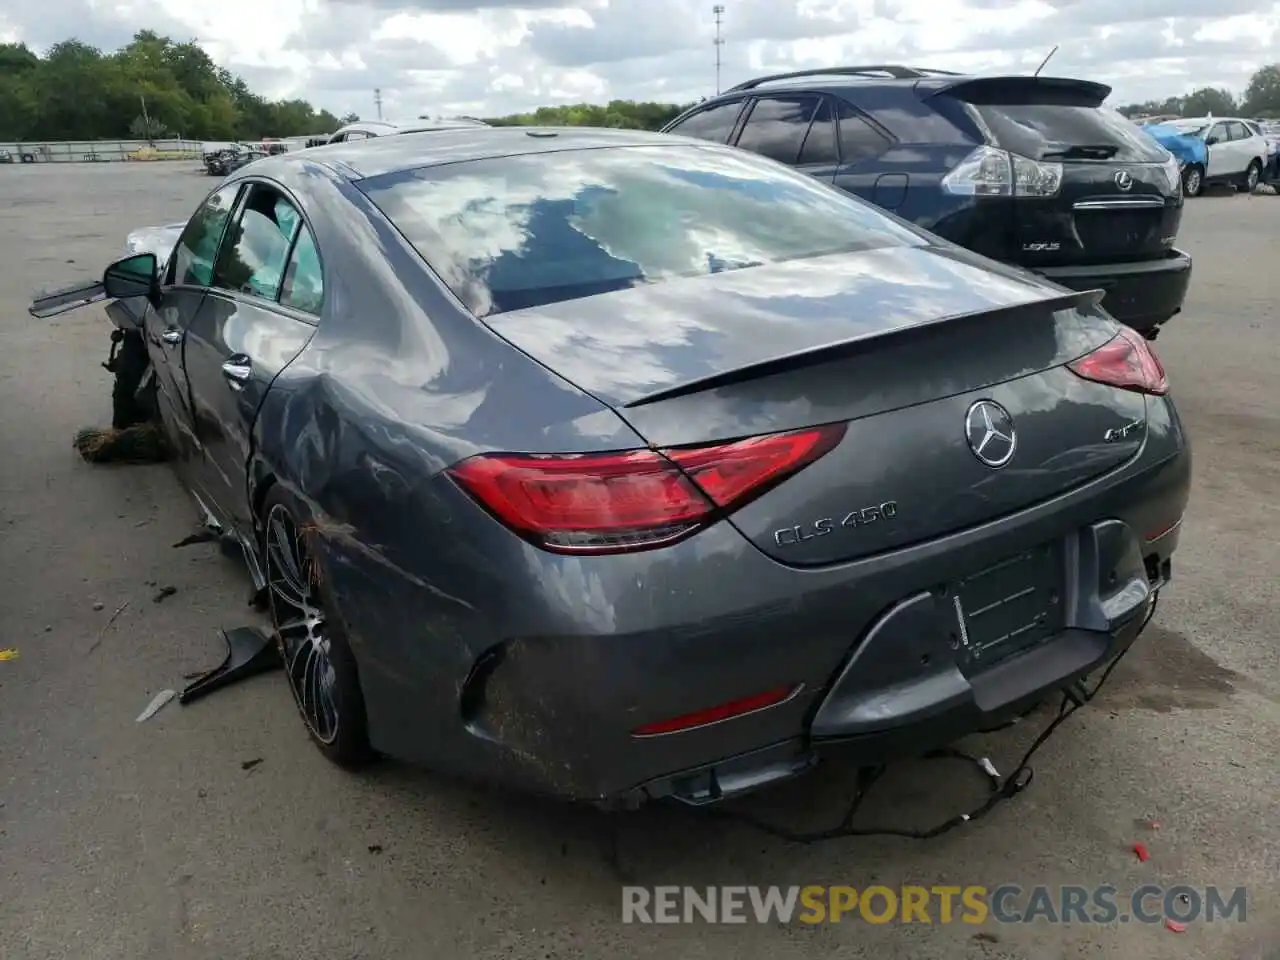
(198, 246)
(517, 232)
(255, 251)
(714, 123)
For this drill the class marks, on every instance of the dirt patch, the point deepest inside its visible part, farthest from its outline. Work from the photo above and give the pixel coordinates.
(1165, 672)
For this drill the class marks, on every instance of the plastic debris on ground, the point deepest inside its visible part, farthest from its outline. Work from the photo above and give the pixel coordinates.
(8, 654)
(157, 702)
(1175, 926)
(1143, 854)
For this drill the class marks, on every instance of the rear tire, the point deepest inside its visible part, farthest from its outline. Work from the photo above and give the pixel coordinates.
(1251, 177)
(1192, 180)
(319, 665)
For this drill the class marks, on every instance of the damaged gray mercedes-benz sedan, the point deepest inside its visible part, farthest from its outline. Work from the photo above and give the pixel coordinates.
(617, 465)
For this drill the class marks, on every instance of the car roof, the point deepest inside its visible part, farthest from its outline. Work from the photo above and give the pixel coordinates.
(360, 159)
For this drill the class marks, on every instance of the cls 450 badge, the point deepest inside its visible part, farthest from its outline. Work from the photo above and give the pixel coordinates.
(789, 536)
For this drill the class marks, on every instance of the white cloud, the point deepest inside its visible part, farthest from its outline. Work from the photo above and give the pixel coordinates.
(485, 57)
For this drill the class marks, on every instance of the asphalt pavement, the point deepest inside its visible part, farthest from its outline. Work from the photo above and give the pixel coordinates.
(216, 831)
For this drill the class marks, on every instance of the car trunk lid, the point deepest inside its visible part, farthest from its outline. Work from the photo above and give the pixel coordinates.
(897, 344)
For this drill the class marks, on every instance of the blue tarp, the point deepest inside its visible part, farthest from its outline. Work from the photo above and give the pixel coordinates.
(1187, 149)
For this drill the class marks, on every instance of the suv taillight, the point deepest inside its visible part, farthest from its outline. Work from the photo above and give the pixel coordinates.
(1125, 361)
(990, 172)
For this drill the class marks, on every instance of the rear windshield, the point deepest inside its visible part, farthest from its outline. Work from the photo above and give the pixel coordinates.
(1060, 132)
(515, 232)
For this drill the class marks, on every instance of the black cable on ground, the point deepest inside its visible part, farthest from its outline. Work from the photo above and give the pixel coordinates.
(1001, 788)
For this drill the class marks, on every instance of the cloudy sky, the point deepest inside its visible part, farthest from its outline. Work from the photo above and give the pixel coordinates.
(487, 57)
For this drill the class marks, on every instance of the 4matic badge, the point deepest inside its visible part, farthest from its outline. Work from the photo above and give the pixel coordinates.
(790, 536)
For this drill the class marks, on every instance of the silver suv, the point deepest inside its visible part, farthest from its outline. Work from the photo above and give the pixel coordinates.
(363, 129)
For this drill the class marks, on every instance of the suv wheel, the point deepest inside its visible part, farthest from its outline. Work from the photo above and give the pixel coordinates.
(1251, 177)
(1192, 180)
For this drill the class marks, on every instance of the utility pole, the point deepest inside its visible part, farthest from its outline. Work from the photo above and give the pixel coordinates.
(377, 100)
(718, 11)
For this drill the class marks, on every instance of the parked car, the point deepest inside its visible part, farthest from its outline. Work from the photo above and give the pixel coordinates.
(615, 465)
(1033, 171)
(216, 161)
(1235, 152)
(364, 129)
(6, 156)
(1271, 130)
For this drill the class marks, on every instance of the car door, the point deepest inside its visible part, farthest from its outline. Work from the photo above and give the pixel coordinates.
(261, 310)
(1221, 160)
(1243, 144)
(183, 286)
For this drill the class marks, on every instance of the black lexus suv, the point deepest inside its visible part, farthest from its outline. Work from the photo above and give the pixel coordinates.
(1033, 171)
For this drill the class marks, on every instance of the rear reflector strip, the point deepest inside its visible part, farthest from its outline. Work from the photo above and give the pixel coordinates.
(726, 711)
(1160, 532)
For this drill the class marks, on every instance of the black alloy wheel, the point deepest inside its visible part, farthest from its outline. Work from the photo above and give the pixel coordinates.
(318, 662)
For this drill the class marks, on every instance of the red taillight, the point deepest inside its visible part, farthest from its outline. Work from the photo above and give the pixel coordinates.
(725, 711)
(1125, 361)
(636, 499)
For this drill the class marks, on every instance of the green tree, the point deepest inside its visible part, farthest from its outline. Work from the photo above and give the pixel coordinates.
(152, 87)
(1210, 101)
(1262, 95)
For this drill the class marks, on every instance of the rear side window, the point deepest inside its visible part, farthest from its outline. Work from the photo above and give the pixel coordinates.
(255, 252)
(527, 231)
(1239, 131)
(820, 142)
(1046, 131)
(776, 128)
(303, 287)
(714, 123)
(859, 140)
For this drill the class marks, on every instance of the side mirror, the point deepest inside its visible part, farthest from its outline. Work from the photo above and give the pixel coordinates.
(1210, 141)
(134, 276)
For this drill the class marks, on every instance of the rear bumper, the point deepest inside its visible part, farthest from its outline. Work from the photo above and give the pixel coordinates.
(537, 681)
(1141, 295)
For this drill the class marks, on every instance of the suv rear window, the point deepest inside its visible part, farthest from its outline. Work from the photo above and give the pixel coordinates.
(526, 231)
(1061, 132)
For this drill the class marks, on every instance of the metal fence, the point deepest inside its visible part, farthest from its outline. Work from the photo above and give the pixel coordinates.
(93, 151)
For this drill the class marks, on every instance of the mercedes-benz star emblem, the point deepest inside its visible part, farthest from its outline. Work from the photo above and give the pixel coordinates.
(989, 429)
(1124, 181)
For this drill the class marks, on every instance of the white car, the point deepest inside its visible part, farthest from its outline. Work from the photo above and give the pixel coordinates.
(1237, 153)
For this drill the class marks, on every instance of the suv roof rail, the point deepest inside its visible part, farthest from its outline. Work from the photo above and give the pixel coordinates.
(892, 71)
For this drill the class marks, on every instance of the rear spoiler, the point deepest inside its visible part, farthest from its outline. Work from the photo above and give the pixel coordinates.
(1084, 299)
(1010, 90)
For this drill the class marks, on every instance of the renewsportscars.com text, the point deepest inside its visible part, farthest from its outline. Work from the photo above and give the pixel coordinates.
(1008, 903)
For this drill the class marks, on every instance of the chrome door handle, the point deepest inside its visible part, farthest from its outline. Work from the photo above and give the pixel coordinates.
(237, 370)
(172, 336)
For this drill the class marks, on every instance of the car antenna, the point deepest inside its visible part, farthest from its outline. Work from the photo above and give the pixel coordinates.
(1045, 60)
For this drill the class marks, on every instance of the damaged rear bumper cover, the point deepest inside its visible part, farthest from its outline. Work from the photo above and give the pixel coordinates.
(879, 662)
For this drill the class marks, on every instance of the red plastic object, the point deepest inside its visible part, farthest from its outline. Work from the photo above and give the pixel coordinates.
(1141, 850)
(1125, 361)
(1175, 926)
(634, 499)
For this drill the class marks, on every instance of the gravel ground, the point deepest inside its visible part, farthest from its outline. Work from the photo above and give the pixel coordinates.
(133, 841)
